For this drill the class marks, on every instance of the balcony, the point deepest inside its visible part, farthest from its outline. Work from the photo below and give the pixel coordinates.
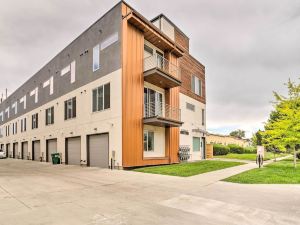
(162, 115)
(160, 72)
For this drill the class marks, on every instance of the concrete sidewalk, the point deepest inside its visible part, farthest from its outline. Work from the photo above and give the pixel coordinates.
(36, 193)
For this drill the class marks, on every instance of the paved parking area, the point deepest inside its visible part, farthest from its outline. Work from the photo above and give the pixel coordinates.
(42, 194)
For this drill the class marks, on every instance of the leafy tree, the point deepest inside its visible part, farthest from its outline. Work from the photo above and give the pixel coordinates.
(283, 127)
(238, 133)
(257, 138)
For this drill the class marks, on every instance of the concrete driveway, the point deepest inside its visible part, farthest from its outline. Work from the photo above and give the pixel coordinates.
(42, 194)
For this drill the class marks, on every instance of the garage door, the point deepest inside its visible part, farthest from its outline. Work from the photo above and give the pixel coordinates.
(7, 150)
(15, 149)
(73, 151)
(98, 150)
(36, 151)
(24, 150)
(51, 148)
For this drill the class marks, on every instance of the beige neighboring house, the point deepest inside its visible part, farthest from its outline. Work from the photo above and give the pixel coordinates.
(226, 140)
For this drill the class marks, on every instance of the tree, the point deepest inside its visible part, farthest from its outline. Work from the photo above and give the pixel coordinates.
(238, 133)
(283, 127)
(257, 139)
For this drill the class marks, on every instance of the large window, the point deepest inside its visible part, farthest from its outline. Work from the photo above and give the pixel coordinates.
(196, 144)
(70, 108)
(101, 98)
(96, 58)
(49, 116)
(153, 103)
(35, 121)
(23, 125)
(196, 85)
(148, 141)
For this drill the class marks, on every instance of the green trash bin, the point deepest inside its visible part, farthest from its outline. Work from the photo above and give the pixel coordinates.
(55, 158)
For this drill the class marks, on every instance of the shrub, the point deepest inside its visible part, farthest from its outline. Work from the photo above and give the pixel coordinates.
(236, 149)
(250, 150)
(298, 155)
(220, 149)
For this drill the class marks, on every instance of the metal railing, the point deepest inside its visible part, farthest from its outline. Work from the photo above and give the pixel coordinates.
(157, 61)
(153, 109)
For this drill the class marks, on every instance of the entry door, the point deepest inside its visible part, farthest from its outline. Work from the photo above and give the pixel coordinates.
(51, 148)
(203, 153)
(36, 151)
(98, 150)
(15, 150)
(73, 151)
(24, 150)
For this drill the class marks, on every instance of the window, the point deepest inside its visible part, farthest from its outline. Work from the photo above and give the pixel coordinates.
(148, 141)
(148, 50)
(7, 130)
(203, 117)
(153, 103)
(35, 121)
(15, 130)
(96, 58)
(49, 116)
(190, 106)
(23, 125)
(70, 108)
(196, 144)
(196, 85)
(101, 98)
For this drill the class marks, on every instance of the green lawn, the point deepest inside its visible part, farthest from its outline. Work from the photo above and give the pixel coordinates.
(188, 169)
(281, 172)
(252, 157)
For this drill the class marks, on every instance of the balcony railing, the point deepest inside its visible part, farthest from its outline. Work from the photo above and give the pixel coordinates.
(156, 61)
(165, 111)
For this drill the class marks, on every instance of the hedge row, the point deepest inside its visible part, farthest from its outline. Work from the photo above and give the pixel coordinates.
(225, 149)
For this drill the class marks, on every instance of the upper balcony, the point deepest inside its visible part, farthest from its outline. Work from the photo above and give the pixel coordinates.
(160, 72)
(162, 115)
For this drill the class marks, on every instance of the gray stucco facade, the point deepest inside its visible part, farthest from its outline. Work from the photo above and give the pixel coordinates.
(80, 51)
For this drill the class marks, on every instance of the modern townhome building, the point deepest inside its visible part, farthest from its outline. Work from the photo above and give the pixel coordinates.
(125, 93)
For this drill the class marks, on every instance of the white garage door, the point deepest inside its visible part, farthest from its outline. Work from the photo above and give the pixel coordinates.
(98, 154)
(51, 148)
(36, 150)
(73, 151)
(24, 150)
(15, 149)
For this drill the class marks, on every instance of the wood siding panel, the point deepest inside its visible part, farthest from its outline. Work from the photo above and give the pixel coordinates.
(172, 133)
(190, 66)
(182, 40)
(132, 89)
(133, 97)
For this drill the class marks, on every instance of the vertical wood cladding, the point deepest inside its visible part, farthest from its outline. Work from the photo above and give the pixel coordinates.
(132, 90)
(190, 66)
(182, 40)
(172, 133)
(132, 101)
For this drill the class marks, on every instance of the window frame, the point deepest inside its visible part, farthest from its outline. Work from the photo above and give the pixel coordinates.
(106, 105)
(35, 121)
(70, 104)
(96, 57)
(147, 140)
(49, 116)
(196, 85)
